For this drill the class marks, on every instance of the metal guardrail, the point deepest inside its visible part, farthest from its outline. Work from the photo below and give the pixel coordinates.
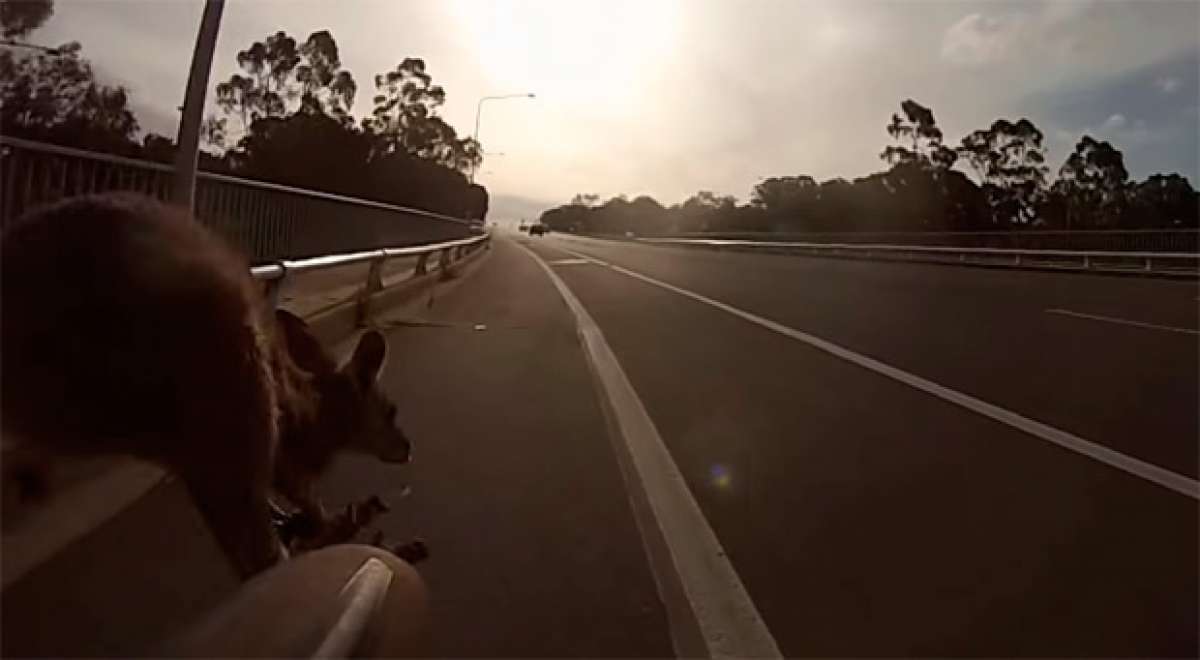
(274, 274)
(1111, 260)
(1112, 240)
(266, 221)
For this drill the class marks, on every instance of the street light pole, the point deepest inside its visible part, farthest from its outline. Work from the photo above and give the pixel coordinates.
(479, 111)
(187, 144)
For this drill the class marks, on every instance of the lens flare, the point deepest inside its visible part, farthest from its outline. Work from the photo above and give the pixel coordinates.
(720, 476)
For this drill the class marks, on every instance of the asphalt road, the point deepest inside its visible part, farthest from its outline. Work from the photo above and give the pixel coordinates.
(864, 516)
(869, 518)
(515, 487)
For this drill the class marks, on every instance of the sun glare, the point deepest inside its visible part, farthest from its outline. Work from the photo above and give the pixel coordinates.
(602, 55)
(831, 33)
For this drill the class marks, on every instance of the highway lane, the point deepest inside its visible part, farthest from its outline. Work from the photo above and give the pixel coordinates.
(866, 517)
(984, 332)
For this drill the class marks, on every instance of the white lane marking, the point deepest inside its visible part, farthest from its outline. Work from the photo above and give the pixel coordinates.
(728, 620)
(569, 262)
(1113, 319)
(1137, 467)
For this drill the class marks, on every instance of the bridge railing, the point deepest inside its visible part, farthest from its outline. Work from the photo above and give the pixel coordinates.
(1164, 262)
(266, 221)
(445, 253)
(1118, 240)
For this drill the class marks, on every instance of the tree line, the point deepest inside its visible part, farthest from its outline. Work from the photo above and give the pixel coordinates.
(921, 190)
(285, 116)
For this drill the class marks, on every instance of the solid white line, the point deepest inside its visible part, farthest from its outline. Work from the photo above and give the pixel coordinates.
(1137, 467)
(1113, 319)
(728, 620)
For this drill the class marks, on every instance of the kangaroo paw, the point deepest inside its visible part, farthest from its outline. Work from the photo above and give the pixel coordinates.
(278, 514)
(412, 552)
(376, 503)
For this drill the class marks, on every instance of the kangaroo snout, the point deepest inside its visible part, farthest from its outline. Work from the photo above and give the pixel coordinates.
(401, 454)
(396, 448)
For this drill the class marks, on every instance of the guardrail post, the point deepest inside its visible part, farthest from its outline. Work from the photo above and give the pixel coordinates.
(274, 287)
(1017, 259)
(422, 264)
(373, 285)
(1147, 267)
(1087, 263)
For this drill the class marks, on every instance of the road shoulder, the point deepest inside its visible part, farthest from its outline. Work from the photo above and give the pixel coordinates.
(514, 486)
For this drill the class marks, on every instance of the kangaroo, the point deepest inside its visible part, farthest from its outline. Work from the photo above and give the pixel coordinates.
(128, 328)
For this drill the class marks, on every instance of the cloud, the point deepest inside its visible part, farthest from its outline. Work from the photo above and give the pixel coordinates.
(1114, 122)
(1064, 42)
(1168, 84)
(1155, 131)
(978, 40)
(1047, 33)
(1140, 144)
(1119, 130)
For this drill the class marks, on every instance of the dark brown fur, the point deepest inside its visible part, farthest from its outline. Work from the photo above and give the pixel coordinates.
(126, 327)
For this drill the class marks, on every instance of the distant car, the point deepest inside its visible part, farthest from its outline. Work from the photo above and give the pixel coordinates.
(538, 230)
(523, 227)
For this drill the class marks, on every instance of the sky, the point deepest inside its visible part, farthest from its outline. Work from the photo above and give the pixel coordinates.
(669, 97)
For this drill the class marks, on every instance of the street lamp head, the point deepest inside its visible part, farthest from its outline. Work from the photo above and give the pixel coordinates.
(479, 112)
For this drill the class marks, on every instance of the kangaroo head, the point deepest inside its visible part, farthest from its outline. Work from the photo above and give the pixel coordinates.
(378, 433)
(351, 404)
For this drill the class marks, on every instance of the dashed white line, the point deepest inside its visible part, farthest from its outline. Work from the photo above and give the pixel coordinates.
(728, 621)
(1113, 319)
(1137, 467)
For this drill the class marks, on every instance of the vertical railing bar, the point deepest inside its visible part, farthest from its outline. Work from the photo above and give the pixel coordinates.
(93, 186)
(260, 212)
(254, 210)
(79, 166)
(9, 172)
(62, 179)
(44, 196)
(264, 213)
(289, 226)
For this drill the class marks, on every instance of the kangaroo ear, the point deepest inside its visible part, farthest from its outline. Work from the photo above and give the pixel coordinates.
(368, 358)
(302, 346)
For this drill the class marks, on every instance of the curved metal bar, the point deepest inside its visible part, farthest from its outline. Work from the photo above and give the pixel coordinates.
(360, 600)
